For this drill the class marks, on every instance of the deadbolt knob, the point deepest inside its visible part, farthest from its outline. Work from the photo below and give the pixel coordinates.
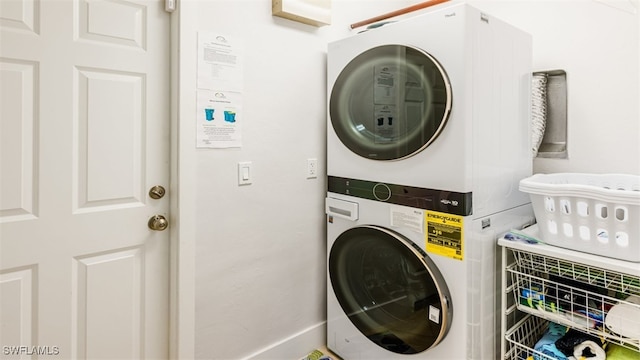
(157, 192)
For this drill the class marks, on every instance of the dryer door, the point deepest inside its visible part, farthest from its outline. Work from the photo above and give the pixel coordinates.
(390, 102)
(390, 289)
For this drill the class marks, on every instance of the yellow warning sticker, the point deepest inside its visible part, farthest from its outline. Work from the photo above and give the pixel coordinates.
(444, 234)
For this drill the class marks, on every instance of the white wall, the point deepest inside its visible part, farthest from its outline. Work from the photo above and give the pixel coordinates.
(258, 247)
(596, 42)
(259, 250)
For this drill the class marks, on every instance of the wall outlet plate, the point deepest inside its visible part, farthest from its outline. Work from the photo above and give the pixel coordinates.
(312, 168)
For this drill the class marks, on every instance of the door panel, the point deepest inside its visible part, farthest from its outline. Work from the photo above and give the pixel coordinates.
(17, 293)
(101, 125)
(113, 22)
(108, 317)
(19, 198)
(84, 106)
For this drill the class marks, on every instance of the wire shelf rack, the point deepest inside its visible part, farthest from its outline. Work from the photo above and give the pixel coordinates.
(523, 337)
(611, 280)
(575, 295)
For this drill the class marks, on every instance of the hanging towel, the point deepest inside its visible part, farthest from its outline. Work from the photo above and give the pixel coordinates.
(547, 344)
(538, 110)
(589, 350)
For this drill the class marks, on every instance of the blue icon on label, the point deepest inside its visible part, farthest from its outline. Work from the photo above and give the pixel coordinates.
(229, 116)
(208, 113)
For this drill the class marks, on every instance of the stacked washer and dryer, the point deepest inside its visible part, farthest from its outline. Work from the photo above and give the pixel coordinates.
(428, 138)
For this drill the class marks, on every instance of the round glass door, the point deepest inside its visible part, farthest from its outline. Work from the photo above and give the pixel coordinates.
(390, 289)
(390, 102)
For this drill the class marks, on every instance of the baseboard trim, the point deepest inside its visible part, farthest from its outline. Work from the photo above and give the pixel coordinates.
(295, 346)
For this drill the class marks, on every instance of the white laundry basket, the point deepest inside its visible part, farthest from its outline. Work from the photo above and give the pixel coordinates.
(592, 213)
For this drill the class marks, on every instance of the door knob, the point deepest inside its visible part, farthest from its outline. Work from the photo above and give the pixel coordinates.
(156, 192)
(158, 223)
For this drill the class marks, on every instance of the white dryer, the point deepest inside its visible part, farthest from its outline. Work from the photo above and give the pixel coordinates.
(407, 283)
(436, 101)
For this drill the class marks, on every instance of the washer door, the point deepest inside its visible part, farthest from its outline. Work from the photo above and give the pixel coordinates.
(390, 289)
(390, 102)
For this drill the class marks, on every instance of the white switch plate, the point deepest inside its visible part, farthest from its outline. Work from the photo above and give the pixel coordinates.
(244, 173)
(312, 168)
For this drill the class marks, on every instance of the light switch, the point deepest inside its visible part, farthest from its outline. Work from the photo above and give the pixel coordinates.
(244, 173)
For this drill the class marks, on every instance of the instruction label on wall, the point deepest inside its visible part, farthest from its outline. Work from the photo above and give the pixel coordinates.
(219, 118)
(444, 234)
(220, 59)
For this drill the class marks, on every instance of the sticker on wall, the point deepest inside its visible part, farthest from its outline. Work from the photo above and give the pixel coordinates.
(219, 62)
(218, 119)
(444, 234)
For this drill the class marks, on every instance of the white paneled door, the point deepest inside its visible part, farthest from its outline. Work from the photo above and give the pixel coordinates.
(84, 136)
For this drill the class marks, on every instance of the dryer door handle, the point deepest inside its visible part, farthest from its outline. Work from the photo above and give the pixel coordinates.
(341, 208)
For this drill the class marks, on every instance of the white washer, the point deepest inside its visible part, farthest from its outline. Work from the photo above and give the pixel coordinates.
(408, 283)
(440, 100)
